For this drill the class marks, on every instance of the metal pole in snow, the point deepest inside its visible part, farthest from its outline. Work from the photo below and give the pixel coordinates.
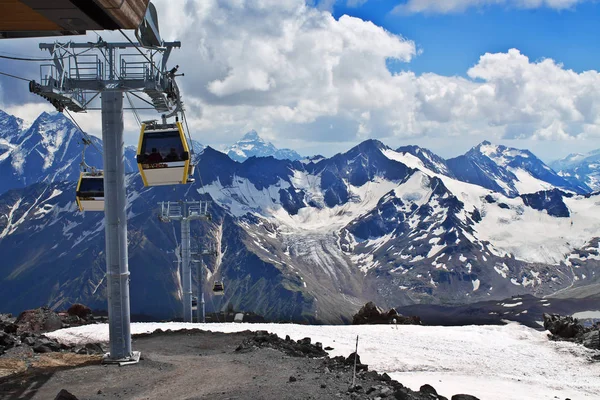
(355, 357)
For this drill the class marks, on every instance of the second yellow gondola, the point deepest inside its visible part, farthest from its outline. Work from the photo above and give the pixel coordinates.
(218, 288)
(90, 191)
(163, 155)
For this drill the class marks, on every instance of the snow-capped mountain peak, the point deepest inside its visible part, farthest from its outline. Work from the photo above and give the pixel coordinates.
(508, 170)
(252, 136)
(500, 154)
(252, 145)
(49, 150)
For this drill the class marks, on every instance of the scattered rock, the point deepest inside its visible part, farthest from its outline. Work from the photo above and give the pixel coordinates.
(371, 314)
(40, 348)
(564, 327)
(464, 397)
(569, 329)
(11, 328)
(301, 348)
(591, 340)
(292, 379)
(65, 395)
(93, 348)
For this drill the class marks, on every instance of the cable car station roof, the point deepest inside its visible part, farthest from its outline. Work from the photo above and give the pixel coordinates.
(34, 18)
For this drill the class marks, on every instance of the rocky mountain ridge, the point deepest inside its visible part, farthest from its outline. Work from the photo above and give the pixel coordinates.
(310, 240)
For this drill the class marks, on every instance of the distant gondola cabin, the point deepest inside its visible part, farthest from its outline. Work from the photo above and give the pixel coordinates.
(90, 191)
(218, 288)
(163, 155)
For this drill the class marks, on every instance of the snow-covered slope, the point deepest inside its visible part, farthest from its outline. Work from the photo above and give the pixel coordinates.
(252, 145)
(509, 171)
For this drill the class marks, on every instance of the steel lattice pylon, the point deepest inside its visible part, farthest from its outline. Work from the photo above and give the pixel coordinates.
(185, 211)
(110, 70)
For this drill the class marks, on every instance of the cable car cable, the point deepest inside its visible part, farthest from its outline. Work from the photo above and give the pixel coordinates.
(20, 58)
(84, 134)
(14, 76)
(135, 114)
(142, 99)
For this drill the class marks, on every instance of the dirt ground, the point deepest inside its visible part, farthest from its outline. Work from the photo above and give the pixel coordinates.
(184, 365)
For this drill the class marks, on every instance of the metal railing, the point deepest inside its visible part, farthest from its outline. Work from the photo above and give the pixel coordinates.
(133, 66)
(198, 208)
(86, 68)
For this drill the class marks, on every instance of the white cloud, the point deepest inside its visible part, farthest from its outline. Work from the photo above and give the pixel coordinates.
(454, 6)
(292, 72)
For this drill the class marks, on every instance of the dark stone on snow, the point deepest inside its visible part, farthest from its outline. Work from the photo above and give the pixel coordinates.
(65, 395)
(301, 348)
(352, 358)
(293, 379)
(464, 397)
(591, 340)
(428, 389)
(80, 311)
(371, 314)
(564, 327)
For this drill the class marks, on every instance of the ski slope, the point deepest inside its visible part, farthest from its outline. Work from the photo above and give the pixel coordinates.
(510, 362)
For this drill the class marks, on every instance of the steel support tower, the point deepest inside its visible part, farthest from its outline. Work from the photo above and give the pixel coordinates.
(200, 310)
(185, 211)
(200, 306)
(80, 72)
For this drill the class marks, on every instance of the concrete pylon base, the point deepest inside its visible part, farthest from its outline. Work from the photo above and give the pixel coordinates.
(133, 359)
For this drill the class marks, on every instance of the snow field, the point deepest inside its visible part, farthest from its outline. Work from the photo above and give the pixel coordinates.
(510, 362)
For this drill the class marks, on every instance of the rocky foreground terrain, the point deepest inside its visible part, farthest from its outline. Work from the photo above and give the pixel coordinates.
(191, 364)
(198, 364)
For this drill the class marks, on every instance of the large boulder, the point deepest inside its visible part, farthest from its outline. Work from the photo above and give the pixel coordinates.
(371, 314)
(79, 310)
(38, 320)
(564, 327)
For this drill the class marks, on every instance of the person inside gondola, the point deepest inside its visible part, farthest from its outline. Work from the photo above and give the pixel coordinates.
(172, 156)
(154, 157)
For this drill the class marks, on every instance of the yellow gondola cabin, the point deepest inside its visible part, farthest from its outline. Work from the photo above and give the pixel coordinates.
(90, 191)
(163, 155)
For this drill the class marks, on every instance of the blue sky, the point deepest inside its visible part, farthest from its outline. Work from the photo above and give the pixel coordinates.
(321, 78)
(452, 43)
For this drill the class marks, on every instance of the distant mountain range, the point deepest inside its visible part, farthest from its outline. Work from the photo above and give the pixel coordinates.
(309, 239)
(583, 168)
